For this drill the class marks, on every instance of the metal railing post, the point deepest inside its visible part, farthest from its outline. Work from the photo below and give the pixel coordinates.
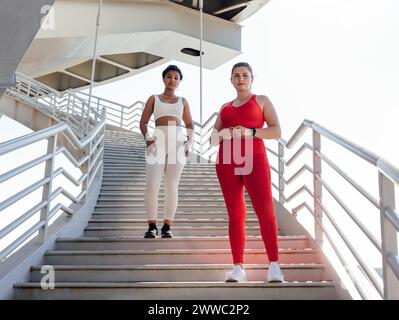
(317, 188)
(85, 169)
(37, 97)
(49, 170)
(281, 169)
(122, 114)
(98, 108)
(68, 107)
(388, 236)
(54, 104)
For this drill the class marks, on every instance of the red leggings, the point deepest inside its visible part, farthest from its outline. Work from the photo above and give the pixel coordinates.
(258, 186)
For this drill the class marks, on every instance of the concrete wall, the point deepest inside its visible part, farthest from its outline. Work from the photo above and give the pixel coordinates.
(19, 22)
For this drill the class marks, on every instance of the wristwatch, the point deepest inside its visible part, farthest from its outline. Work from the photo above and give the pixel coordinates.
(253, 131)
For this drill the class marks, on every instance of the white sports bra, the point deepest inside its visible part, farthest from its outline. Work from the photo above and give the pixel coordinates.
(162, 109)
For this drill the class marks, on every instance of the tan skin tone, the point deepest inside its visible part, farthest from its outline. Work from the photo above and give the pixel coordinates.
(171, 82)
(241, 79)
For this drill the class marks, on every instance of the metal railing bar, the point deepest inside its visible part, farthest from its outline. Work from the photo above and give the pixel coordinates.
(298, 133)
(301, 189)
(209, 131)
(57, 172)
(98, 156)
(296, 174)
(366, 194)
(17, 222)
(388, 169)
(21, 239)
(94, 172)
(272, 152)
(78, 182)
(210, 118)
(361, 152)
(11, 200)
(274, 169)
(393, 261)
(112, 102)
(384, 166)
(355, 219)
(76, 163)
(12, 173)
(393, 217)
(60, 207)
(99, 139)
(30, 138)
(371, 273)
(300, 207)
(337, 251)
(299, 152)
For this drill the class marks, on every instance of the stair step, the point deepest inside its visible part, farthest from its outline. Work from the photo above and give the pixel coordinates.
(194, 213)
(180, 210)
(133, 182)
(136, 170)
(142, 178)
(141, 168)
(255, 290)
(179, 231)
(206, 242)
(139, 193)
(117, 186)
(183, 185)
(174, 273)
(141, 204)
(183, 201)
(175, 256)
(143, 215)
(176, 222)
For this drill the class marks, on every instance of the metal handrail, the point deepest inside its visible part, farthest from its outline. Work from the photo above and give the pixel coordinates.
(389, 176)
(65, 106)
(91, 147)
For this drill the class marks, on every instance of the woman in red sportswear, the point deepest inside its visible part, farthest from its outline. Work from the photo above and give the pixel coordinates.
(242, 162)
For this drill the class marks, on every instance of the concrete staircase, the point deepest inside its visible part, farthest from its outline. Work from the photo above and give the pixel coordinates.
(112, 260)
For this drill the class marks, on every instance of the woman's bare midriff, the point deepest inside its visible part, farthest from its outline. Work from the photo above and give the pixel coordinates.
(167, 121)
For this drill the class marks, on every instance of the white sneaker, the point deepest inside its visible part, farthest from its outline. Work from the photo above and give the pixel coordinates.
(236, 275)
(275, 274)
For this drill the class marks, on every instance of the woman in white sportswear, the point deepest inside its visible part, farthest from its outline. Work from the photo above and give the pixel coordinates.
(167, 149)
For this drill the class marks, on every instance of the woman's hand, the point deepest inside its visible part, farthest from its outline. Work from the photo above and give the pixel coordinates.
(150, 142)
(240, 132)
(151, 148)
(226, 133)
(187, 146)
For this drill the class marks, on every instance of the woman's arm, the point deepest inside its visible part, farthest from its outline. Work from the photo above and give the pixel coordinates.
(145, 118)
(188, 121)
(218, 133)
(273, 130)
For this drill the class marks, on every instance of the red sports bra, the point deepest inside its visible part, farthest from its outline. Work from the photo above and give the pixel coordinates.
(249, 115)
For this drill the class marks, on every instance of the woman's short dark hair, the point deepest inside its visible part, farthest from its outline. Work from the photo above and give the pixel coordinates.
(172, 67)
(243, 64)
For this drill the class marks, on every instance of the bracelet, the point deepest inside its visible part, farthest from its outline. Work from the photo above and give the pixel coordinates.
(253, 131)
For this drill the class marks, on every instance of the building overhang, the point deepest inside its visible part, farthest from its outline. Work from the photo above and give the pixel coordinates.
(134, 36)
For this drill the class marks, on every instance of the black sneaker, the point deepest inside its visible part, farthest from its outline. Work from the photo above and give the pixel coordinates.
(165, 232)
(152, 232)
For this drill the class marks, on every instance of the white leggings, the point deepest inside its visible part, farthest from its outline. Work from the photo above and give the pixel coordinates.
(167, 156)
